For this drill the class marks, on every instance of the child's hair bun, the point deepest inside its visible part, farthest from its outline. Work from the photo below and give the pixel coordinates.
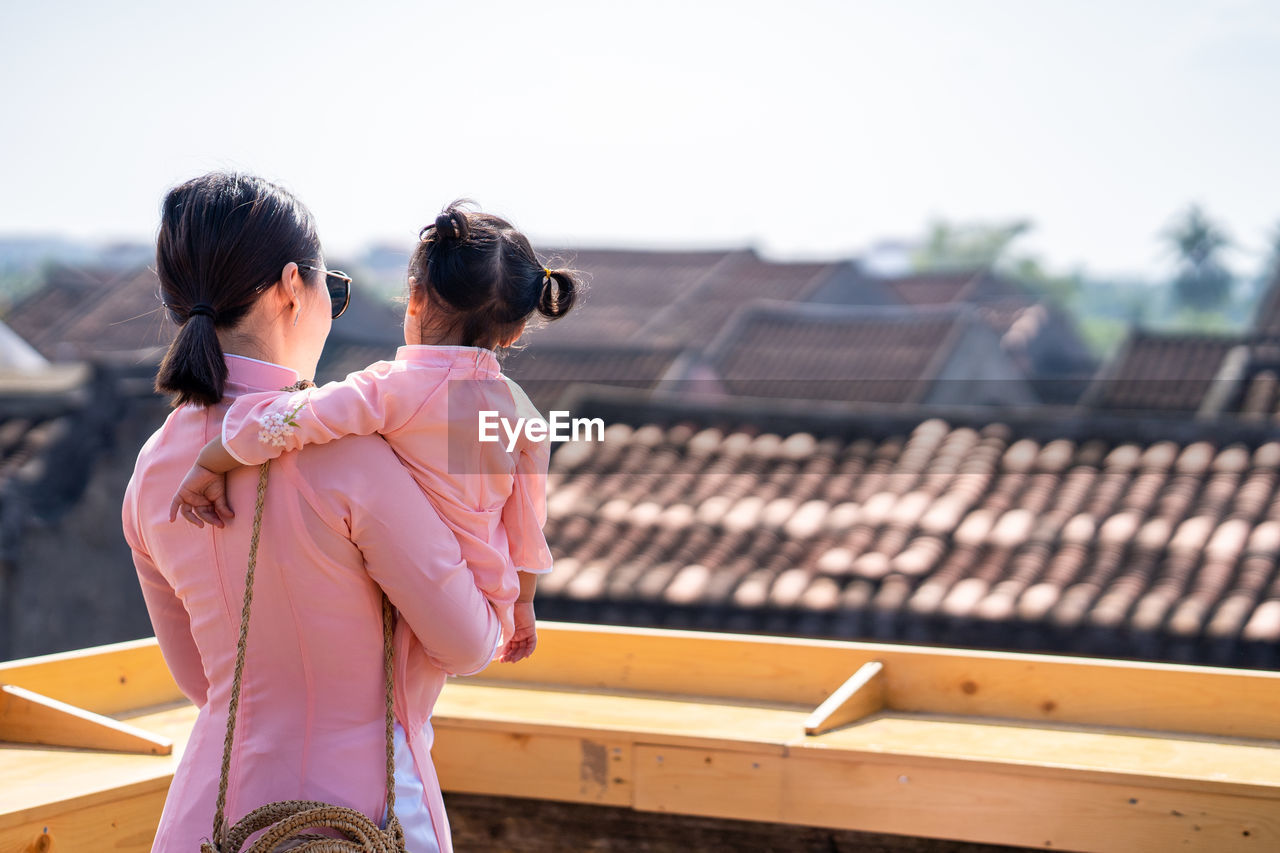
(452, 224)
(559, 290)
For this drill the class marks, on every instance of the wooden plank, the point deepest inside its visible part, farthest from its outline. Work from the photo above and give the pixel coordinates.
(39, 782)
(654, 719)
(1058, 689)
(902, 797)
(125, 824)
(689, 663)
(1189, 762)
(860, 696)
(28, 717)
(103, 679)
(548, 767)
(1060, 813)
(711, 782)
(1042, 688)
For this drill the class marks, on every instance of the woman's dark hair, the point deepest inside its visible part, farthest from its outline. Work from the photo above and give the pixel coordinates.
(224, 238)
(485, 275)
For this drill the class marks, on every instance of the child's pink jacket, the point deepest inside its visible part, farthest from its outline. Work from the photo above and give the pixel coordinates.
(427, 404)
(342, 523)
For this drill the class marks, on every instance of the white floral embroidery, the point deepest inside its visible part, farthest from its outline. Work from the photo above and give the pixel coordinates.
(275, 427)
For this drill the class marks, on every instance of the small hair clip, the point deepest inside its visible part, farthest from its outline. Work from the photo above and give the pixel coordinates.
(546, 276)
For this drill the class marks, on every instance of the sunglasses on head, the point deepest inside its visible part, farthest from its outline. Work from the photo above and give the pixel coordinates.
(339, 285)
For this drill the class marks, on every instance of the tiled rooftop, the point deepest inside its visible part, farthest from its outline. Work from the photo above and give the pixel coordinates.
(1162, 372)
(1039, 536)
(547, 372)
(741, 278)
(84, 313)
(1267, 319)
(823, 352)
(626, 289)
(951, 287)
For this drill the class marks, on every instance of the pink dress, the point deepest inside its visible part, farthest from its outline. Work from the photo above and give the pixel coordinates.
(427, 404)
(342, 523)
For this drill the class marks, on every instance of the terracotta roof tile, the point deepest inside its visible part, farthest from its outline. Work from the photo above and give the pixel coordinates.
(935, 532)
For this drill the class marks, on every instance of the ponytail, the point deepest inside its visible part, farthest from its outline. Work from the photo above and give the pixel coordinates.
(194, 369)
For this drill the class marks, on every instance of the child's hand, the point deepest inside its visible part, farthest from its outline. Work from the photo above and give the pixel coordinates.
(202, 497)
(525, 638)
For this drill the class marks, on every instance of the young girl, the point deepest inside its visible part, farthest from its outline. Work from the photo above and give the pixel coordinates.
(474, 281)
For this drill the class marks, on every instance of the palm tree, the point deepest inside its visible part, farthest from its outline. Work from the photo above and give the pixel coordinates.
(1203, 282)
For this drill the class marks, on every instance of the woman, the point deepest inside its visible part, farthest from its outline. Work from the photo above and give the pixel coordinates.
(242, 273)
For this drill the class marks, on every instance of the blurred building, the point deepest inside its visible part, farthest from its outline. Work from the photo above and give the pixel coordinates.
(800, 448)
(1207, 376)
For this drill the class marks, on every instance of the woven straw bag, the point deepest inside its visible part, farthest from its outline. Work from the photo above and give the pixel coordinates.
(285, 821)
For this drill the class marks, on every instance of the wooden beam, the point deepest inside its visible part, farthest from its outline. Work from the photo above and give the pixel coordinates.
(28, 717)
(109, 679)
(860, 696)
(1036, 688)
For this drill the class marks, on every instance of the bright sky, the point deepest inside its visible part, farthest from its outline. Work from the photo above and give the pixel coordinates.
(802, 128)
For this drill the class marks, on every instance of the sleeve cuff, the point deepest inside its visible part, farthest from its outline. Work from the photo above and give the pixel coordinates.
(226, 445)
(531, 571)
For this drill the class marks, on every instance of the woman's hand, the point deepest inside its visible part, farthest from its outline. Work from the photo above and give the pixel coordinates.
(202, 497)
(525, 638)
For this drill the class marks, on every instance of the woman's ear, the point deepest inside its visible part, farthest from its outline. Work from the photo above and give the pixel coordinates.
(288, 289)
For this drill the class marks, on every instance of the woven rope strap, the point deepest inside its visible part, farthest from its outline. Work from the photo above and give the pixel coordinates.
(284, 821)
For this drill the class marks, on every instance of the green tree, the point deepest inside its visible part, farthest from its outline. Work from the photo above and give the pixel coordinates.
(977, 245)
(1203, 282)
(949, 246)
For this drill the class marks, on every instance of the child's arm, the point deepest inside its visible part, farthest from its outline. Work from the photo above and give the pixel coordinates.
(525, 513)
(525, 638)
(263, 425)
(203, 494)
(380, 398)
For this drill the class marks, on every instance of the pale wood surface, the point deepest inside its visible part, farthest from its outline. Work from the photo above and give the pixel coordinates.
(861, 695)
(39, 782)
(651, 719)
(1055, 689)
(1188, 761)
(29, 717)
(977, 804)
(594, 769)
(949, 802)
(104, 679)
(714, 725)
(126, 824)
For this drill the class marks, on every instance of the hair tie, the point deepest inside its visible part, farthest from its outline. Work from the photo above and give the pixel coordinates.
(546, 276)
(202, 309)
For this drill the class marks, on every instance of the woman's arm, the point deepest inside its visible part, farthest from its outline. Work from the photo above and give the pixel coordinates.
(380, 398)
(172, 625)
(415, 558)
(168, 614)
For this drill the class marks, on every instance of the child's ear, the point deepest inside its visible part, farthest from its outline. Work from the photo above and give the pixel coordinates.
(514, 336)
(417, 298)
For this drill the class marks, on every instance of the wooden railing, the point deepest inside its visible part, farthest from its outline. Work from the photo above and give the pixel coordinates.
(1038, 751)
